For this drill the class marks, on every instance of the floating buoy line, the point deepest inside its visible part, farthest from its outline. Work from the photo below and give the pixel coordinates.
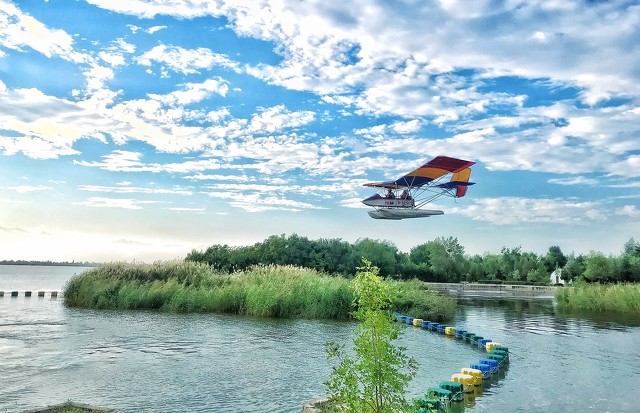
(463, 387)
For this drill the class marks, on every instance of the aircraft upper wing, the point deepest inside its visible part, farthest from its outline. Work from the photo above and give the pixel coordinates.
(434, 169)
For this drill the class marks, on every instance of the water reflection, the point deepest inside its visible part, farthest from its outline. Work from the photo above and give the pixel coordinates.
(539, 316)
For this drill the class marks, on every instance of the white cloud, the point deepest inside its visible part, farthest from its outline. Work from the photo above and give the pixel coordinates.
(121, 203)
(394, 52)
(218, 177)
(185, 61)
(23, 189)
(194, 92)
(19, 29)
(630, 166)
(128, 161)
(182, 209)
(630, 211)
(114, 55)
(573, 180)
(276, 118)
(406, 127)
(257, 202)
(353, 203)
(513, 211)
(149, 9)
(46, 127)
(133, 190)
(152, 30)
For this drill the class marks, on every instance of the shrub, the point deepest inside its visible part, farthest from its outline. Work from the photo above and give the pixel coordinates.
(376, 378)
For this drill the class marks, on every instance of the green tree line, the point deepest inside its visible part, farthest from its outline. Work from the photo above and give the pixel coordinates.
(440, 260)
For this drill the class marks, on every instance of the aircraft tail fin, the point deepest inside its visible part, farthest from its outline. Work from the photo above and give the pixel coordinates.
(461, 181)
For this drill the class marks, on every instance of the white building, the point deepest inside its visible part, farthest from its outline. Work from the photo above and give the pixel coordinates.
(555, 277)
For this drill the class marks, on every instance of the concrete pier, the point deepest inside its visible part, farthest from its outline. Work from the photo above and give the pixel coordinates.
(494, 288)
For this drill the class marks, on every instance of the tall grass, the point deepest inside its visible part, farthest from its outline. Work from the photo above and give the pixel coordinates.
(413, 298)
(264, 291)
(619, 298)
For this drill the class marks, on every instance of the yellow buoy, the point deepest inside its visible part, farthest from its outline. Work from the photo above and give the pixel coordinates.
(450, 331)
(476, 374)
(466, 380)
(489, 346)
(417, 322)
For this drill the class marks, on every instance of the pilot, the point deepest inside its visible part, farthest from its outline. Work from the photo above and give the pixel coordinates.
(390, 194)
(405, 194)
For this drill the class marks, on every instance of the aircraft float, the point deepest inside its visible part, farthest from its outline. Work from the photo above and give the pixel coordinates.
(405, 197)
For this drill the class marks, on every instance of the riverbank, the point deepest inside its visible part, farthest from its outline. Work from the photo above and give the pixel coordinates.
(619, 298)
(71, 407)
(263, 291)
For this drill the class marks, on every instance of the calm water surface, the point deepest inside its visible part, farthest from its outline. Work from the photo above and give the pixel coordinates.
(156, 362)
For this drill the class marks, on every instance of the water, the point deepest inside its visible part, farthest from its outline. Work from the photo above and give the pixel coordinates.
(156, 362)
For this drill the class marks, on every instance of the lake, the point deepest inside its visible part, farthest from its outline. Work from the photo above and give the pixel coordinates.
(143, 361)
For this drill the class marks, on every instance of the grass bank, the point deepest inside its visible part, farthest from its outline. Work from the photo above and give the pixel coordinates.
(619, 298)
(264, 291)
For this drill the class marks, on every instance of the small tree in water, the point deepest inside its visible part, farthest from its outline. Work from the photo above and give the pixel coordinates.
(376, 378)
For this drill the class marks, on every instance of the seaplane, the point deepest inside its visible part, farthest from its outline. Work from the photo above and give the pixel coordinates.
(406, 197)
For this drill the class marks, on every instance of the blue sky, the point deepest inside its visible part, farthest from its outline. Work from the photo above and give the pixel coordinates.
(145, 129)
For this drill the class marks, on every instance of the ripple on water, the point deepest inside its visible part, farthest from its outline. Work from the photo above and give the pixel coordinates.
(156, 362)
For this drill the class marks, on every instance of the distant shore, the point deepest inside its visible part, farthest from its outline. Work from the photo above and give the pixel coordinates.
(51, 263)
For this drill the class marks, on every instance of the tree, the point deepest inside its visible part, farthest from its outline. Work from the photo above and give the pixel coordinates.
(439, 260)
(538, 275)
(376, 378)
(492, 264)
(446, 259)
(631, 247)
(598, 267)
(337, 256)
(574, 268)
(554, 259)
(382, 254)
(634, 268)
(217, 256)
(475, 271)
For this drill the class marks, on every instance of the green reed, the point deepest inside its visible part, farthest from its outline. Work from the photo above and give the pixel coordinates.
(619, 298)
(263, 291)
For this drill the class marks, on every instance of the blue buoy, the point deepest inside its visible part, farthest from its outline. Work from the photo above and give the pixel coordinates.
(484, 368)
(493, 364)
(482, 343)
